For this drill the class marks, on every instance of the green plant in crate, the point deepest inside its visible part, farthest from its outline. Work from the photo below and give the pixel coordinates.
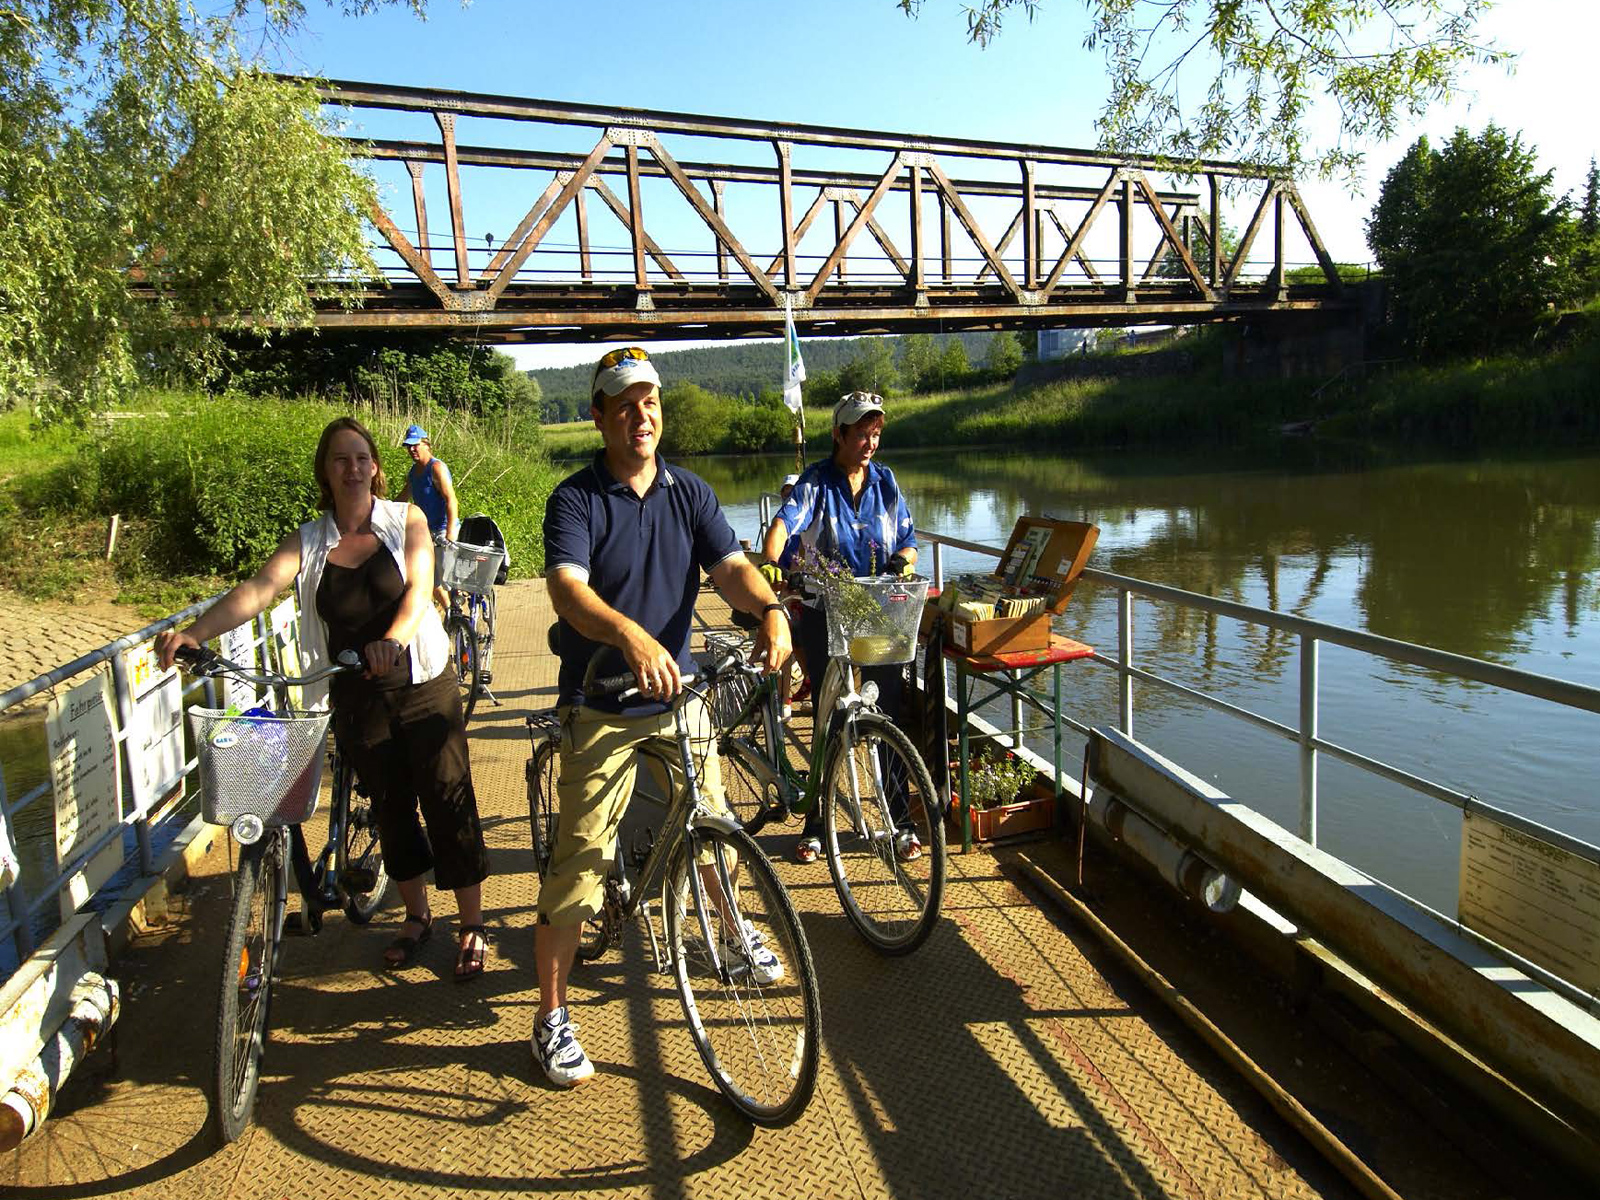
(996, 778)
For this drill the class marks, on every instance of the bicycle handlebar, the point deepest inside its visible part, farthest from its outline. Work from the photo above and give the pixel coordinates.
(203, 662)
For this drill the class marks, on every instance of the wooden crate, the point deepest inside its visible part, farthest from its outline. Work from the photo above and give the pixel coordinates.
(1000, 635)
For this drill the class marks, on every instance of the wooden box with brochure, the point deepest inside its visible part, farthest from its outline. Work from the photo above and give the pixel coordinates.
(1010, 609)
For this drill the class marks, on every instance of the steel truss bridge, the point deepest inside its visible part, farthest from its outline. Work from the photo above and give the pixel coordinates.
(617, 236)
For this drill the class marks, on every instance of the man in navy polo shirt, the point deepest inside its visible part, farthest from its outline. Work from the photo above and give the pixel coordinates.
(625, 541)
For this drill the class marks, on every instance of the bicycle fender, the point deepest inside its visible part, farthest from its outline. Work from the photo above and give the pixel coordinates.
(716, 823)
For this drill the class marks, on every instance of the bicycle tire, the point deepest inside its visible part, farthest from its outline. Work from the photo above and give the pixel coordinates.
(759, 1040)
(248, 964)
(542, 771)
(362, 875)
(464, 651)
(893, 904)
(486, 637)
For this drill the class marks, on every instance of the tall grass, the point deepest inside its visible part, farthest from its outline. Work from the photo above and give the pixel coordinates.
(208, 486)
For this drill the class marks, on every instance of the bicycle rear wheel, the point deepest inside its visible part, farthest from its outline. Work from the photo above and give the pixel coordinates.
(361, 871)
(543, 769)
(892, 900)
(248, 965)
(754, 1010)
(464, 649)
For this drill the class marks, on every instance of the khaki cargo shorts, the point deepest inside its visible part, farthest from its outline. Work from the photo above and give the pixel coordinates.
(599, 764)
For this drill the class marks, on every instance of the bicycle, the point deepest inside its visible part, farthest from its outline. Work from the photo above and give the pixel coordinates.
(468, 574)
(860, 764)
(260, 776)
(759, 1038)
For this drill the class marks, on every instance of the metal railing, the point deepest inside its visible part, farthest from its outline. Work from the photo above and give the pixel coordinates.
(1313, 635)
(148, 816)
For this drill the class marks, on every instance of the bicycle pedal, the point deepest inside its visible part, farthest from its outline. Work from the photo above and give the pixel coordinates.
(359, 879)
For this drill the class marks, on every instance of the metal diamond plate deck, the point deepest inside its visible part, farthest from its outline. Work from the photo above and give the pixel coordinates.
(997, 1061)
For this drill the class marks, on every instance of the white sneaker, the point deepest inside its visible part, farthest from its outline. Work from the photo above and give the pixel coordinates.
(760, 964)
(556, 1049)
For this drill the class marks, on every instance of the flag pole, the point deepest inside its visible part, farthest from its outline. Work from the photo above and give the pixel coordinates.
(794, 375)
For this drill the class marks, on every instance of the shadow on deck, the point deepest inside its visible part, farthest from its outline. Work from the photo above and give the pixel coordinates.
(1003, 1059)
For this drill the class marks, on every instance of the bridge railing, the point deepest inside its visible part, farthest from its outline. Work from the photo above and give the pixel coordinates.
(1304, 734)
(855, 229)
(152, 812)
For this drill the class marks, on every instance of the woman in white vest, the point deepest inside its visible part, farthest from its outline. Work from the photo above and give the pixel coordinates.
(362, 572)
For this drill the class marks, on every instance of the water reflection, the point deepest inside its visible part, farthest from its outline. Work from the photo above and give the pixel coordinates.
(1492, 559)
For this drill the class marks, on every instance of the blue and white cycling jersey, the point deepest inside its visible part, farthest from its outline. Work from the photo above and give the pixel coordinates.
(862, 536)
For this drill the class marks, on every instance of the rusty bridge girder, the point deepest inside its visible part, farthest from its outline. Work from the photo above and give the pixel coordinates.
(926, 233)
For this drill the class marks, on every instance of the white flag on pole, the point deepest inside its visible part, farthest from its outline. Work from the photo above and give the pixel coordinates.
(794, 366)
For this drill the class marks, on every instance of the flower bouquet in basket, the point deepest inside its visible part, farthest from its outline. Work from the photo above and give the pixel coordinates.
(872, 619)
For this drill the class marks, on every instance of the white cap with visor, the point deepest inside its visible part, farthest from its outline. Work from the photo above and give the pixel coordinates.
(856, 405)
(619, 370)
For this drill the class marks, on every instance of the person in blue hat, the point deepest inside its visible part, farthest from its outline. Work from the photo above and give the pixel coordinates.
(429, 487)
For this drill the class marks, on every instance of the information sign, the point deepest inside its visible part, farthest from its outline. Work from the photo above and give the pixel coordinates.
(285, 633)
(1533, 897)
(88, 789)
(238, 645)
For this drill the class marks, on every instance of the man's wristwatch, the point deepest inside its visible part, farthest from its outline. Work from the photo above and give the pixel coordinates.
(775, 606)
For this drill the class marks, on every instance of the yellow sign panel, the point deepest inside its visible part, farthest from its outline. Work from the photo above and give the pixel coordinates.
(1532, 897)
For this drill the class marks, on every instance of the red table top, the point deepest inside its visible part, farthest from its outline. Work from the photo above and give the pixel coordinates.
(1062, 649)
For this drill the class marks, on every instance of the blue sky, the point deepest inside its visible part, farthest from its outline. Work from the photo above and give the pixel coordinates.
(863, 63)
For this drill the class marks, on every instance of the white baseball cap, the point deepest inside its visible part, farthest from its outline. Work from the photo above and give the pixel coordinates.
(856, 405)
(790, 480)
(619, 370)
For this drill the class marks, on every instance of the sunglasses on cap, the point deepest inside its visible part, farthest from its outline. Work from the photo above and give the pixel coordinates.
(612, 357)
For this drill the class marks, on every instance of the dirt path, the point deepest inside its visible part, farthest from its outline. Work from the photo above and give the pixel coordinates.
(38, 635)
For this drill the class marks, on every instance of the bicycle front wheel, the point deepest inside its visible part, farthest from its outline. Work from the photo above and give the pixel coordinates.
(362, 875)
(248, 964)
(464, 648)
(744, 975)
(882, 834)
(542, 770)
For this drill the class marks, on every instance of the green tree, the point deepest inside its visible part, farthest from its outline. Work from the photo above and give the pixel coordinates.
(1475, 245)
(1587, 259)
(954, 366)
(1239, 78)
(871, 370)
(919, 362)
(156, 188)
(1004, 356)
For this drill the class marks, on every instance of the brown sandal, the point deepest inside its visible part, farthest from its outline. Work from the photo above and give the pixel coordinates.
(407, 945)
(469, 959)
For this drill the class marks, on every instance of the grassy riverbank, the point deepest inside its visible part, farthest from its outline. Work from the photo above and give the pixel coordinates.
(206, 487)
(1533, 398)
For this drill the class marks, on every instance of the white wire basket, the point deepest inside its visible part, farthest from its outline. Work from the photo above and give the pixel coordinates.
(468, 568)
(269, 767)
(873, 619)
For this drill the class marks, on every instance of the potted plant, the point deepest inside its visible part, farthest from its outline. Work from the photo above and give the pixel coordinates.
(1006, 797)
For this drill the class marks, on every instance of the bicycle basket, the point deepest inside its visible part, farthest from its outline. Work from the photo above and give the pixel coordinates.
(269, 767)
(469, 568)
(872, 620)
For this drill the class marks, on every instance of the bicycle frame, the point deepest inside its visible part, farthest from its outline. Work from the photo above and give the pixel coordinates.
(797, 793)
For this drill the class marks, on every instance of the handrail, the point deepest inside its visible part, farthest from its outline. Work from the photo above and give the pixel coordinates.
(25, 898)
(1312, 634)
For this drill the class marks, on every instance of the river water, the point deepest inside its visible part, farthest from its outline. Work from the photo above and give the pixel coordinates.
(1490, 558)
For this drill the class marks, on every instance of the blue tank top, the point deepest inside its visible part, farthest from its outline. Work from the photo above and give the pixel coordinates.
(425, 494)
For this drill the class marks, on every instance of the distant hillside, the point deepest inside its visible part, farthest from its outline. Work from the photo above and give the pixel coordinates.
(738, 368)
